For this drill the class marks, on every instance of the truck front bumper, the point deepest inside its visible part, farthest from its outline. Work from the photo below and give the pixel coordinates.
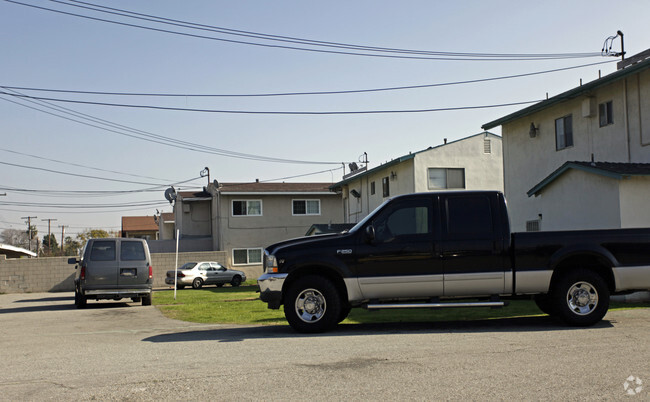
(271, 289)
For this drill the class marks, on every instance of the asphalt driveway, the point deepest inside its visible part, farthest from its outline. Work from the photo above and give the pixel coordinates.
(120, 351)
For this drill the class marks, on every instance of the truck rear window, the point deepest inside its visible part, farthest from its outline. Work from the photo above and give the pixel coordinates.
(132, 251)
(103, 251)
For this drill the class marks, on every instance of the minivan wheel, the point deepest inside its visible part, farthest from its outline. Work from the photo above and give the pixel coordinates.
(236, 281)
(197, 283)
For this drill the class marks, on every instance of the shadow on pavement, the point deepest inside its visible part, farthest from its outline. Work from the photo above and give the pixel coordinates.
(61, 307)
(520, 324)
(47, 299)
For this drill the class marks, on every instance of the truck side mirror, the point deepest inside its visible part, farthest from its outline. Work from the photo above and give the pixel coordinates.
(72, 261)
(370, 233)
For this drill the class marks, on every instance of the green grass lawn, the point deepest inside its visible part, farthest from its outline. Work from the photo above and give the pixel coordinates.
(241, 305)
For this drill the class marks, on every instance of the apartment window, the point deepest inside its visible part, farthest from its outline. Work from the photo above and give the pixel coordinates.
(564, 132)
(246, 256)
(247, 208)
(605, 114)
(442, 178)
(306, 207)
(372, 188)
(385, 187)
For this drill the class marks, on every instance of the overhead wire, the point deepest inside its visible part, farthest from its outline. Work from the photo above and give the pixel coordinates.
(268, 112)
(81, 175)
(81, 166)
(290, 39)
(394, 53)
(145, 135)
(310, 93)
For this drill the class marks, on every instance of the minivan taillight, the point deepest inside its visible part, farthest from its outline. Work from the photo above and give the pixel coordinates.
(150, 272)
(82, 274)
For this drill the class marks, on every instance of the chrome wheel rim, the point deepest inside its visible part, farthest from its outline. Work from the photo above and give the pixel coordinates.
(582, 298)
(310, 305)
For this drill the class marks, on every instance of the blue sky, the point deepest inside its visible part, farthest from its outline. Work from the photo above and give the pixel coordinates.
(43, 49)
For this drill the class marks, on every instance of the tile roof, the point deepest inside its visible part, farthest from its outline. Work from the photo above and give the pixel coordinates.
(138, 223)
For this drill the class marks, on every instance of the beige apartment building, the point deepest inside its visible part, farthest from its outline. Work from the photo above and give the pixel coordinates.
(581, 159)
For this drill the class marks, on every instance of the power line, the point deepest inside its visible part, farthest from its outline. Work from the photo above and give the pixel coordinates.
(341, 92)
(147, 136)
(289, 39)
(420, 55)
(81, 175)
(269, 112)
(148, 203)
(78, 165)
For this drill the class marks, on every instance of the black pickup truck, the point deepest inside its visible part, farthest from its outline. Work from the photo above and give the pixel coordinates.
(439, 249)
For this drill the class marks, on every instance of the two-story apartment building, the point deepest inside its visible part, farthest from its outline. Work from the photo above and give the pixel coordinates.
(472, 163)
(243, 218)
(581, 159)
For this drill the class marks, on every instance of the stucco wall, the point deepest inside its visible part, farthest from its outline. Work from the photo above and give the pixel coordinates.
(54, 274)
(276, 223)
(400, 181)
(527, 161)
(592, 203)
(635, 194)
(483, 171)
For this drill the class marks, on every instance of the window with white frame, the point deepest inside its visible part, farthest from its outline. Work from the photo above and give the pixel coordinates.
(443, 178)
(564, 132)
(246, 256)
(606, 114)
(247, 208)
(306, 207)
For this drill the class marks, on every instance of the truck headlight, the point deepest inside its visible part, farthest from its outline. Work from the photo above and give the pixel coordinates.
(271, 264)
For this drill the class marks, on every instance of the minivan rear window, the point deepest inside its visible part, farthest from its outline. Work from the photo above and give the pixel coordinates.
(103, 250)
(132, 251)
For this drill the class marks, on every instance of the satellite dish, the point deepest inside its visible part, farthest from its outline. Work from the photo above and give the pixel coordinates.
(170, 194)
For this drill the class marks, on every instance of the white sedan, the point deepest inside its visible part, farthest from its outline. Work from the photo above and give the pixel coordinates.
(198, 274)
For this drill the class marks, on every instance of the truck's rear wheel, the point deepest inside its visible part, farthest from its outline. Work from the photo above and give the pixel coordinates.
(580, 297)
(312, 305)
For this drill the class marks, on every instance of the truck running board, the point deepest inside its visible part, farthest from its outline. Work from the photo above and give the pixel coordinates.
(493, 304)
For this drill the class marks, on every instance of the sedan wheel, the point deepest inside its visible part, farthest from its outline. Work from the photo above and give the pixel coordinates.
(197, 283)
(236, 281)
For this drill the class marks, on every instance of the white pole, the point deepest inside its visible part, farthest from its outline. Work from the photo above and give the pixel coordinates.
(176, 269)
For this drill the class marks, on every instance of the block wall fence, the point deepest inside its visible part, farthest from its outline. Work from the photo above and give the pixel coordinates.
(54, 274)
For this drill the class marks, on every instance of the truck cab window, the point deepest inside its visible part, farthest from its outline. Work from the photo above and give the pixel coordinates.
(469, 216)
(402, 221)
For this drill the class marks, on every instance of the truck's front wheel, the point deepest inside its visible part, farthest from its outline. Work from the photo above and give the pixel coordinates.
(312, 304)
(580, 298)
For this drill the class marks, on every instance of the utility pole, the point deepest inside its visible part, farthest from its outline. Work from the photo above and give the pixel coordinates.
(62, 236)
(49, 233)
(29, 229)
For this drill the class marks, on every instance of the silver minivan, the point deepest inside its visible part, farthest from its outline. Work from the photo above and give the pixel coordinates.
(113, 268)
